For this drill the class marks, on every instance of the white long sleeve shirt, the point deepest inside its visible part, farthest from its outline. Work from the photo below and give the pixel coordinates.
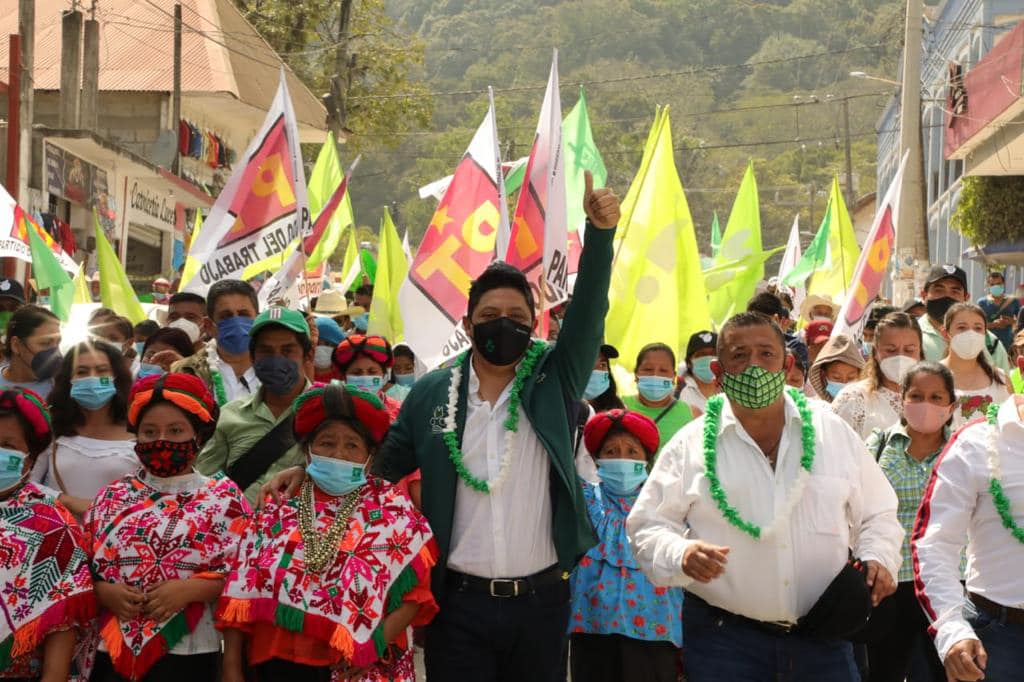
(957, 510)
(507, 533)
(847, 503)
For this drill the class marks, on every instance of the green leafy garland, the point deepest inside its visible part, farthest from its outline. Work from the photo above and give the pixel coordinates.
(712, 420)
(995, 487)
(219, 393)
(451, 438)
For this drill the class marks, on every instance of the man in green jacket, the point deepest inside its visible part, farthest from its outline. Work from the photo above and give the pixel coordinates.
(491, 437)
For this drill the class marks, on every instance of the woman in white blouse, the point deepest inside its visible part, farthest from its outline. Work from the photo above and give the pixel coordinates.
(89, 408)
(874, 402)
(978, 383)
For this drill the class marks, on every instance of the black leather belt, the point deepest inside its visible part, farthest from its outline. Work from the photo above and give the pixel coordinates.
(777, 629)
(506, 588)
(1008, 613)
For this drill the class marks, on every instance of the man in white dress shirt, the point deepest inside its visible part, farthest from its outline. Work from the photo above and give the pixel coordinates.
(746, 594)
(979, 634)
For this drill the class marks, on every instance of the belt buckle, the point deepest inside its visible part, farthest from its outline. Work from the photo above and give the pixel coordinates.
(783, 627)
(502, 595)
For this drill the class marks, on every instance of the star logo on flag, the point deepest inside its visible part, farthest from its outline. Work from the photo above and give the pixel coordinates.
(441, 219)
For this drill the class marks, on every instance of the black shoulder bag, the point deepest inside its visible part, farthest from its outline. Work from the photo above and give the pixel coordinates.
(248, 468)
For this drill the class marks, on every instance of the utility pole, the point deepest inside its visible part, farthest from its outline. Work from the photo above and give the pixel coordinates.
(70, 67)
(27, 31)
(89, 119)
(912, 228)
(176, 86)
(850, 197)
(343, 64)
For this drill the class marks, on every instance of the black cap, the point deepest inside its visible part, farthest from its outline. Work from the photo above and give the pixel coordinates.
(943, 271)
(609, 351)
(700, 341)
(798, 349)
(11, 288)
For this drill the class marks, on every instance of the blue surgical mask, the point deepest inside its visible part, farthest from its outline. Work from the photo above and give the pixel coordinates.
(621, 476)
(139, 345)
(405, 379)
(335, 476)
(147, 369)
(365, 382)
(654, 388)
(12, 468)
(233, 334)
(865, 348)
(997, 290)
(361, 322)
(833, 388)
(92, 393)
(701, 368)
(598, 383)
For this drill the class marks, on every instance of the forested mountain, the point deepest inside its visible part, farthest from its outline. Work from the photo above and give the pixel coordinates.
(741, 78)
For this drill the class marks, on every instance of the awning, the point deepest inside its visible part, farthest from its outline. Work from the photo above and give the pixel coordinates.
(1005, 252)
(105, 154)
(985, 113)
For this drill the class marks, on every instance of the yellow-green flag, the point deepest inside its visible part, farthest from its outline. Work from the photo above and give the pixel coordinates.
(323, 181)
(657, 288)
(49, 274)
(832, 277)
(740, 242)
(392, 267)
(116, 292)
(352, 265)
(192, 264)
(82, 292)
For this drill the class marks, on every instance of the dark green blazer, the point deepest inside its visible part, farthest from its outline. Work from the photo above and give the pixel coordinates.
(414, 440)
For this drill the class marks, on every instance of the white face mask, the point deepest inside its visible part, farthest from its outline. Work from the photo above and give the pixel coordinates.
(187, 326)
(322, 357)
(895, 367)
(967, 345)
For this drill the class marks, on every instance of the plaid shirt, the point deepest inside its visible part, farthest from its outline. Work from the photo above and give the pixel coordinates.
(908, 477)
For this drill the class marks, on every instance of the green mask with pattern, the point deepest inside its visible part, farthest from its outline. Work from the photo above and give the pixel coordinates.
(755, 388)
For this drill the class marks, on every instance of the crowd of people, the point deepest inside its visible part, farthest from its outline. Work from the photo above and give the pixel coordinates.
(247, 494)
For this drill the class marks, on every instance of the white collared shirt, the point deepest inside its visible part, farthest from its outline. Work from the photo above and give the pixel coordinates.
(847, 503)
(237, 387)
(957, 510)
(506, 534)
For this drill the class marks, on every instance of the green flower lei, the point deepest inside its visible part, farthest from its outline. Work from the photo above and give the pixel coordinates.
(451, 439)
(995, 487)
(219, 392)
(712, 420)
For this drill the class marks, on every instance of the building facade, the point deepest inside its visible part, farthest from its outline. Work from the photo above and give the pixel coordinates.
(958, 34)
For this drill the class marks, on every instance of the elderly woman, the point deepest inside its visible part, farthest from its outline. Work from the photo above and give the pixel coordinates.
(330, 581)
(47, 595)
(162, 541)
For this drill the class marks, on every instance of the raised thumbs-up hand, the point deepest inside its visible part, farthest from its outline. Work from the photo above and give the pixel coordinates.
(601, 205)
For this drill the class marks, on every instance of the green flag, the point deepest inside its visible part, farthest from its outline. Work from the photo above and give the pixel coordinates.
(392, 267)
(369, 265)
(742, 240)
(813, 257)
(716, 237)
(581, 155)
(116, 292)
(323, 181)
(49, 274)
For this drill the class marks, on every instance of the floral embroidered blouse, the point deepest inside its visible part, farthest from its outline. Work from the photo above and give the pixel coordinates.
(610, 595)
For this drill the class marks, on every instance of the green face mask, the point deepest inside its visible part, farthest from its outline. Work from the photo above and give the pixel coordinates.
(755, 388)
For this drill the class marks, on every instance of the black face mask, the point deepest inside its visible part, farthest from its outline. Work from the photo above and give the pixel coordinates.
(277, 374)
(45, 363)
(937, 307)
(501, 341)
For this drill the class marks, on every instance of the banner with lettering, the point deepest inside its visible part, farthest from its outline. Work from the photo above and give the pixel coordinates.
(15, 223)
(263, 207)
(873, 263)
(457, 247)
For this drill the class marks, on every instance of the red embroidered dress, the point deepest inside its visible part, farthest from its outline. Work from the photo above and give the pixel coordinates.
(334, 616)
(141, 537)
(45, 584)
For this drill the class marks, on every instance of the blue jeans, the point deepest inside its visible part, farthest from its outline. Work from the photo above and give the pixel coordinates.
(720, 646)
(1004, 644)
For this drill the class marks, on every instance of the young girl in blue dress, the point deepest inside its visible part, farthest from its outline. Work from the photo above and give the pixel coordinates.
(622, 628)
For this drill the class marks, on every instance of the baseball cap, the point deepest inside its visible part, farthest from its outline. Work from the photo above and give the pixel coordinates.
(700, 341)
(818, 331)
(281, 316)
(943, 271)
(329, 330)
(11, 288)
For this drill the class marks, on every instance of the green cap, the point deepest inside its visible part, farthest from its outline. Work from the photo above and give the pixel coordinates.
(284, 317)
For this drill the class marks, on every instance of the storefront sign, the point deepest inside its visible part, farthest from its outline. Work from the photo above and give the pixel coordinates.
(146, 206)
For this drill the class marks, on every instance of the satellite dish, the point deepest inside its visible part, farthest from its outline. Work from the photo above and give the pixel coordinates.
(164, 149)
